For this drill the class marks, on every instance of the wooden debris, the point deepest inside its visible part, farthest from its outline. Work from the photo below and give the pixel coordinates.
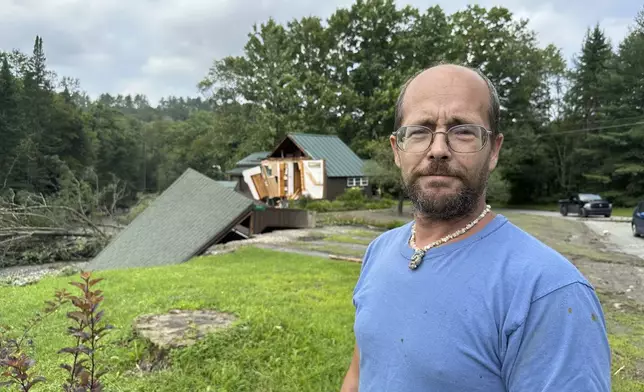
(346, 258)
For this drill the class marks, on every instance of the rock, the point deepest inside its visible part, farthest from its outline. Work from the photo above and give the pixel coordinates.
(181, 328)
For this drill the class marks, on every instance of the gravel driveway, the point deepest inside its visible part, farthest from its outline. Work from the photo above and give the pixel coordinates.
(615, 232)
(618, 237)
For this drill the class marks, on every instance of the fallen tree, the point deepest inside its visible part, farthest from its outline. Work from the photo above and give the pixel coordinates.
(72, 224)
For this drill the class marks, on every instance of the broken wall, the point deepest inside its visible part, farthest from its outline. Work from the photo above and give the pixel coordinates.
(287, 178)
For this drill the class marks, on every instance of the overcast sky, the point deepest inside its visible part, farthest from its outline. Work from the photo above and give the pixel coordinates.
(165, 47)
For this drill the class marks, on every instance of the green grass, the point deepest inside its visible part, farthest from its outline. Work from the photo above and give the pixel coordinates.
(330, 249)
(347, 239)
(294, 331)
(626, 212)
(364, 233)
(626, 337)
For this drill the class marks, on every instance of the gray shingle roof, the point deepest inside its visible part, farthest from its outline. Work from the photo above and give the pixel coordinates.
(340, 160)
(179, 224)
(227, 184)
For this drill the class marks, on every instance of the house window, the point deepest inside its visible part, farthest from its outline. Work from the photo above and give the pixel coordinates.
(357, 181)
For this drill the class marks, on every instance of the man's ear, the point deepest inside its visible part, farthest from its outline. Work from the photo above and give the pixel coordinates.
(392, 141)
(496, 149)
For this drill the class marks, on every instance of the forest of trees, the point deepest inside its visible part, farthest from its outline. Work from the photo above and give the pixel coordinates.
(567, 128)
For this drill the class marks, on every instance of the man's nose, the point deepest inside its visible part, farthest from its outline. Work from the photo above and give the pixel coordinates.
(439, 148)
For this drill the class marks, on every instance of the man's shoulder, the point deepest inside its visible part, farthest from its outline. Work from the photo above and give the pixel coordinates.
(533, 262)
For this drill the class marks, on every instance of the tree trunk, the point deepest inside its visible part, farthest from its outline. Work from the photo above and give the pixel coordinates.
(401, 201)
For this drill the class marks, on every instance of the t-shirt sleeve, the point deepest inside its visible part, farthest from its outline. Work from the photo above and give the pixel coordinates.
(562, 346)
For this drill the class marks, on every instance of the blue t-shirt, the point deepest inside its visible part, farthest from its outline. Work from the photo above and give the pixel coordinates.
(498, 311)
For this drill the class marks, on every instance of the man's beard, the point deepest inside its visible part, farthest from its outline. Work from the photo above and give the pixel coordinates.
(452, 207)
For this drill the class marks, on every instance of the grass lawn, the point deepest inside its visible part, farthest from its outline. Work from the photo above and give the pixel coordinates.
(348, 239)
(626, 337)
(332, 249)
(294, 331)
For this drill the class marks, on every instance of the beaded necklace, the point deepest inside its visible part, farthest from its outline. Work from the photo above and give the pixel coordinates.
(417, 258)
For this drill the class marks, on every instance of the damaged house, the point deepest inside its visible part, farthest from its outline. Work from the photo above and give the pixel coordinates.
(193, 214)
(301, 165)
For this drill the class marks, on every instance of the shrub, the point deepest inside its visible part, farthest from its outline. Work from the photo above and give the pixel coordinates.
(352, 199)
(88, 328)
(352, 195)
(359, 221)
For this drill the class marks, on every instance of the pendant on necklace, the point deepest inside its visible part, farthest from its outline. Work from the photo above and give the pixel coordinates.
(416, 259)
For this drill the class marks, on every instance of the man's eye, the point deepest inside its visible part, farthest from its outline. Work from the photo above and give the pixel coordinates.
(465, 132)
(417, 132)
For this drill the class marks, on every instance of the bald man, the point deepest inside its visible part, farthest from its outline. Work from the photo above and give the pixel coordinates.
(460, 299)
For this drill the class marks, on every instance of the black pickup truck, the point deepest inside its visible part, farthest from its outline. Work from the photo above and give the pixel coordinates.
(585, 204)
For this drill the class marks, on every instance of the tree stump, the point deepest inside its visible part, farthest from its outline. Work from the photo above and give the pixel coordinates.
(176, 329)
(181, 328)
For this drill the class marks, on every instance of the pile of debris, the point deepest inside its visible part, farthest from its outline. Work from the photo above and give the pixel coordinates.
(35, 231)
(30, 274)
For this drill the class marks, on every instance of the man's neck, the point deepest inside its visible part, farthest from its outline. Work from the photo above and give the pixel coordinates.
(430, 230)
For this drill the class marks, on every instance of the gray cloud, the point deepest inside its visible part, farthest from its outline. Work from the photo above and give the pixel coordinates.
(163, 47)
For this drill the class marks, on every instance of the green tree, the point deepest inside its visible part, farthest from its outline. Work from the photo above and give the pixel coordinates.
(10, 121)
(587, 97)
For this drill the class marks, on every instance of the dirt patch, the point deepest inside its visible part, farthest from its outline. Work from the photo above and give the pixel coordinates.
(622, 280)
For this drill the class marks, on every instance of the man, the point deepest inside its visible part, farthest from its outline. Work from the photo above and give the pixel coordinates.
(460, 299)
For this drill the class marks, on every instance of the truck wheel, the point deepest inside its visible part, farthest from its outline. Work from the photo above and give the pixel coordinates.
(563, 210)
(583, 212)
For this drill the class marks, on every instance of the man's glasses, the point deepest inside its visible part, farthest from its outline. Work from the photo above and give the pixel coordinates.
(466, 138)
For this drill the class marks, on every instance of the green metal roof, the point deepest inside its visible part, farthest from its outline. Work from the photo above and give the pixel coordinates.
(254, 159)
(340, 160)
(182, 222)
(236, 171)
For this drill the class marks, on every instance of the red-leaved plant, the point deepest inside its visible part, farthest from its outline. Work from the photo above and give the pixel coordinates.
(16, 367)
(89, 328)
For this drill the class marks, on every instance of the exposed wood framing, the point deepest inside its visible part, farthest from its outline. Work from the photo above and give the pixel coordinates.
(287, 178)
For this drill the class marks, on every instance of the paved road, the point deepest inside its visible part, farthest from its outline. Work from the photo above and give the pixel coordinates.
(618, 237)
(615, 232)
(573, 216)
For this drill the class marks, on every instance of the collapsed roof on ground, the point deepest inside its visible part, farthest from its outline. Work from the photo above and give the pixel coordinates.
(194, 213)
